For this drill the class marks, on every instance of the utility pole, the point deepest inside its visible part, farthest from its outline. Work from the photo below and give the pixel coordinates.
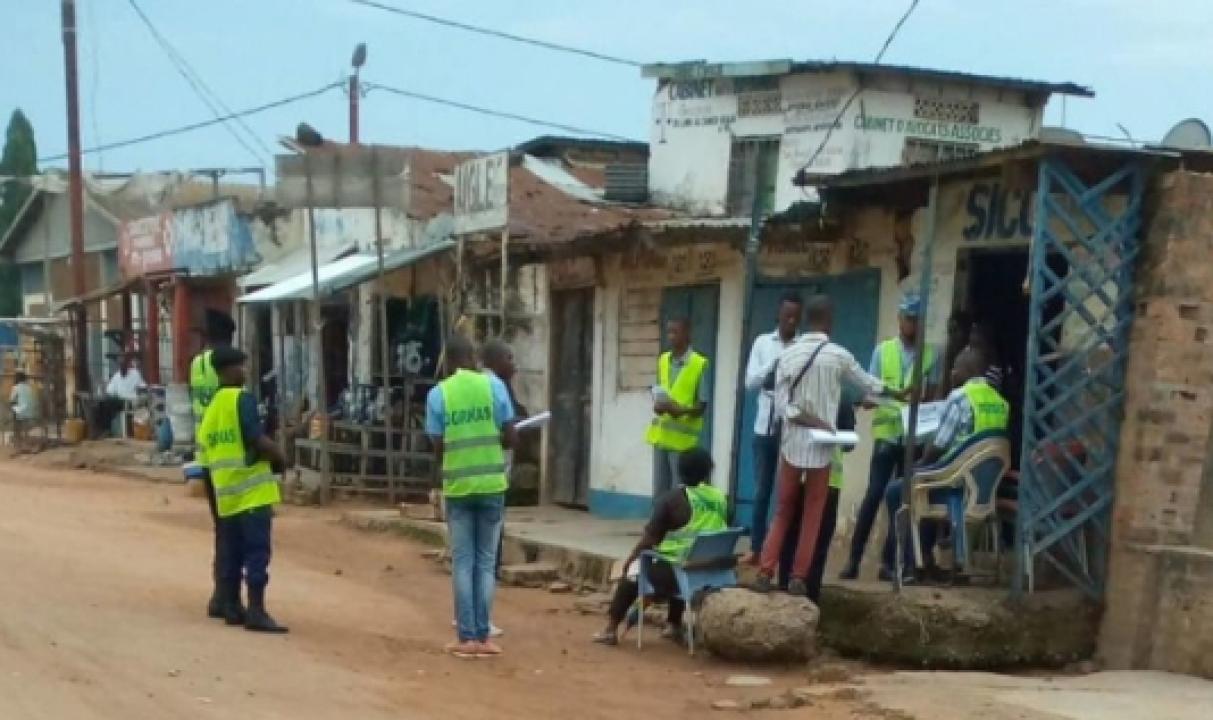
(357, 61)
(75, 195)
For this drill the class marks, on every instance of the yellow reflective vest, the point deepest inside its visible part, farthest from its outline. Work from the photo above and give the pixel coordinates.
(473, 461)
(204, 383)
(990, 410)
(678, 433)
(239, 484)
(709, 513)
(886, 422)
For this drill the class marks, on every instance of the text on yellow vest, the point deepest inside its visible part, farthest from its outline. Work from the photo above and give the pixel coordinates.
(239, 484)
(473, 461)
(990, 410)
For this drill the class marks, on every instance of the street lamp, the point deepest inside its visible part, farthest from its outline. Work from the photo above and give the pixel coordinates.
(357, 61)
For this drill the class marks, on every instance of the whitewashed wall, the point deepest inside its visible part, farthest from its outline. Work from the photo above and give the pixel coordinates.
(695, 123)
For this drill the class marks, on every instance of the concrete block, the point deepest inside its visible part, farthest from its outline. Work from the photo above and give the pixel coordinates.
(532, 575)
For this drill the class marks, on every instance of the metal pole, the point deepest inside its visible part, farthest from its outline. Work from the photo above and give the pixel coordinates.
(318, 341)
(752, 247)
(384, 350)
(354, 107)
(924, 294)
(75, 193)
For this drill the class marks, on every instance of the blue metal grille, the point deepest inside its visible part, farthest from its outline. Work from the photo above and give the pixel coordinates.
(1086, 241)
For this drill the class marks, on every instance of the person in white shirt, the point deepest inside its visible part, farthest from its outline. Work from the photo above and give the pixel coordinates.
(808, 388)
(24, 403)
(760, 377)
(123, 388)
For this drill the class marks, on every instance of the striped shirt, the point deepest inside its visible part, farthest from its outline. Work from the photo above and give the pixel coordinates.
(818, 393)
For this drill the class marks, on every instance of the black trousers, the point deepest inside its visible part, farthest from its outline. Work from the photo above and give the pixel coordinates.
(887, 461)
(216, 561)
(821, 552)
(245, 540)
(665, 586)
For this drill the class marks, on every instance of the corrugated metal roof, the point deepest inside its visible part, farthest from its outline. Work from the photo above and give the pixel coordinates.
(701, 69)
(558, 177)
(344, 273)
(293, 263)
(299, 287)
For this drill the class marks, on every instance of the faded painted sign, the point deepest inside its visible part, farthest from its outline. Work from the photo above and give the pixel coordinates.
(482, 195)
(207, 240)
(143, 245)
(344, 176)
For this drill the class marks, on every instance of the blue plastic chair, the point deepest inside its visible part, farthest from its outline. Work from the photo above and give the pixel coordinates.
(711, 562)
(960, 489)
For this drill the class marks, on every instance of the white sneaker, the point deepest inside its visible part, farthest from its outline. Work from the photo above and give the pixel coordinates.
(494, 631)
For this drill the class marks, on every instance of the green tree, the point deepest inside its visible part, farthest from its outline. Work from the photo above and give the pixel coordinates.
(20, 157)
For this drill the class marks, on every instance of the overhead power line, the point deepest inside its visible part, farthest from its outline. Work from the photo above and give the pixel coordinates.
(201, 124)
(496, 113)
(545, 44)
(201, 89)
(847, 105)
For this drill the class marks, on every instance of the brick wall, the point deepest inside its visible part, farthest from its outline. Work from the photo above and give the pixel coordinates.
(1159, 603)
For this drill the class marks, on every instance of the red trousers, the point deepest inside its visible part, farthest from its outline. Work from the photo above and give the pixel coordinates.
(816, 490)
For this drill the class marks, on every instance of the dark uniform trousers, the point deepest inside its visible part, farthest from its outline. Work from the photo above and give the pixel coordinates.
(217, 561)
(244, 541)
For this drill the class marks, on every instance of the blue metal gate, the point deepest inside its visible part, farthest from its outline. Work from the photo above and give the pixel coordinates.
(1085, 247)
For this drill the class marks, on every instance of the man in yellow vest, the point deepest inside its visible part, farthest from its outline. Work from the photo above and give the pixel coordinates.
(678, 517)
(892, 362)
(204, 383)
(470, 422)
(973, 407)
(679, 402)
(242, 463)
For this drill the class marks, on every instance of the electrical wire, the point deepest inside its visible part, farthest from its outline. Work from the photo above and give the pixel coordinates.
(495, 113)
(547, 45)
(201, 89)
(201, 124)
(847, 105)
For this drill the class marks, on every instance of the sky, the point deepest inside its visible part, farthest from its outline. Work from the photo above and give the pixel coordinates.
(1149, 63)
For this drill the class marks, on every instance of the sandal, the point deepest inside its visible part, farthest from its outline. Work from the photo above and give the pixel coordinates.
(605, 638)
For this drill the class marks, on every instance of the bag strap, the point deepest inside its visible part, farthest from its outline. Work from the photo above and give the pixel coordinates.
(805, 369)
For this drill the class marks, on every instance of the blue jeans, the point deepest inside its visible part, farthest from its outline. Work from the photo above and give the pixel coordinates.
(887, 459)
(766, 461)
(474, 524)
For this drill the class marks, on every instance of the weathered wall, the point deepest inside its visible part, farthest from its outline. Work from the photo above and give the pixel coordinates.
(696, 122)
(1160, 594)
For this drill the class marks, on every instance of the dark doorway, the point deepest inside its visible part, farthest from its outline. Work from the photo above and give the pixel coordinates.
(572, 371)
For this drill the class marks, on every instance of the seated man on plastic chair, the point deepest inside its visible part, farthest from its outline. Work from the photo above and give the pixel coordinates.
(973, 407)
(678, 517)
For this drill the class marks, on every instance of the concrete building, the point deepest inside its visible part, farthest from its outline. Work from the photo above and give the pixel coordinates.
(719, 130)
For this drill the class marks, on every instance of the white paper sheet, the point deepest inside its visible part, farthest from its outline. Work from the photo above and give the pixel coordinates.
(840, 437)
(535, 422)
(929, 416)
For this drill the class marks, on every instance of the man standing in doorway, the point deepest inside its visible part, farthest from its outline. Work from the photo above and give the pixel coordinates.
(470, 422)
(204, 383)
(808, 388)
(760, 376)
(892, 362)
(679, 402)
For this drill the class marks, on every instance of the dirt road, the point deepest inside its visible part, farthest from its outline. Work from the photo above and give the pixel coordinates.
(102, 587)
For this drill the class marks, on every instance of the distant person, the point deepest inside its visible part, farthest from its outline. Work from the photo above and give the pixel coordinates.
(471, 424)
(808, 387)
(23, 401)
(242, 462)
(982, 341)
(760, 377)
(679, 515)
(974, 406)
(893, 362)
(122, 389)
(679, 403)
(204, 383)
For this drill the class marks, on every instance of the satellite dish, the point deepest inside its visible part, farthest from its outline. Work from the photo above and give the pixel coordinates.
(1190, 134)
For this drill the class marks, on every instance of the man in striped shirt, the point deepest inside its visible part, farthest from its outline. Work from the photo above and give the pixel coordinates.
(808, 387)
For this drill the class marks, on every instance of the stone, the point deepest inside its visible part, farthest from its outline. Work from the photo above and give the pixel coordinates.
(726, 705)
(560, 588)
(779, 702)
(747, 681)
(532, 575)
(744, 626)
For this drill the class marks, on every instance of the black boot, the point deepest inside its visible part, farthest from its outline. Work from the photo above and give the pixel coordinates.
(233, 610)
(214, 608)
(258, 620)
